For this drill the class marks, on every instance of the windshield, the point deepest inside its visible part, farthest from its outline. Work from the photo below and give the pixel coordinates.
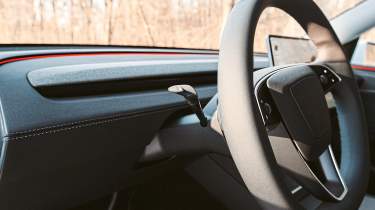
(152, 23)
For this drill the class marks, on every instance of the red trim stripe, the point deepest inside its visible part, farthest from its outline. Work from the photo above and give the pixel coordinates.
(15, 59)
(363, 68)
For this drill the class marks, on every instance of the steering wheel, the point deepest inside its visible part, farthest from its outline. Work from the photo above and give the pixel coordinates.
(277, 122)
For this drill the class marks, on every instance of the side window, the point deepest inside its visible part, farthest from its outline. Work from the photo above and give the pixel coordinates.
(364, 54)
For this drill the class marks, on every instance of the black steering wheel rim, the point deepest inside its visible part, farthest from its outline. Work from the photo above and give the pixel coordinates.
(241, 121)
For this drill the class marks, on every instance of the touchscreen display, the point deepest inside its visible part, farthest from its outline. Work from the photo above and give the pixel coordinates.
(288, 50)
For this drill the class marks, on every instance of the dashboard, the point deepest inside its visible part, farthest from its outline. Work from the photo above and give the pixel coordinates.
(69, 113)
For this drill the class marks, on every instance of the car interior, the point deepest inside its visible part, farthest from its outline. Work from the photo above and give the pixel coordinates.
(94, 127)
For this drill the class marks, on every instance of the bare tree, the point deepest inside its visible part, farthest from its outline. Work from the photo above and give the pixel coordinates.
(165, 23)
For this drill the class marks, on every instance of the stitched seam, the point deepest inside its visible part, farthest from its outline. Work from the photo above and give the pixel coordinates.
(69, 124)
(89, 120)
(66, 129)
(113, 118)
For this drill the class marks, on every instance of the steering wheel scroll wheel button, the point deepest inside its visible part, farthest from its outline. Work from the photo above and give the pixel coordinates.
(299, 97)
(327, 77)
(267, 107)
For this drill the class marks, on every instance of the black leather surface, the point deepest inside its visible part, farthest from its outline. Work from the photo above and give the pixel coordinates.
(59, 168)
(25, 109)
(58, 153)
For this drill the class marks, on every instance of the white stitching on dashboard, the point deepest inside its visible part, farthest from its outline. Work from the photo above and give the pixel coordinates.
(68, 124)
(80, 121)
(69, 128)
(113, 118)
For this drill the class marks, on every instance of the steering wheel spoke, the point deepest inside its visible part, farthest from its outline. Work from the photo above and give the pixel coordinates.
(327, 173)
(320, 177)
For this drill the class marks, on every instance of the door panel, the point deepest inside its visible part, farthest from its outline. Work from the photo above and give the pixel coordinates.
(366, 82)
